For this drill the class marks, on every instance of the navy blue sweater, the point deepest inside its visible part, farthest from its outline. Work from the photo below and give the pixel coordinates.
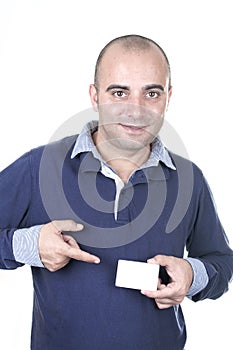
(78, 307)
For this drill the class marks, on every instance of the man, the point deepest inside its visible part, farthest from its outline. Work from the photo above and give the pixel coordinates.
(72, 209)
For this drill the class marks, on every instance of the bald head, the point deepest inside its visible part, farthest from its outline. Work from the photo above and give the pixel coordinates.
(131, 44)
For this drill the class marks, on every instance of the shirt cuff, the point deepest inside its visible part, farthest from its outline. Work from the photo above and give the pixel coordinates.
(200, 277)
(25, 246)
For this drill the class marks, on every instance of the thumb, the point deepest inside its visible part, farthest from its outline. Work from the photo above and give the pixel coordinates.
(67, 225)
(162, 260)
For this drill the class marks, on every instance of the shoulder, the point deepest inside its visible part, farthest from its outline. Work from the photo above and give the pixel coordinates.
(55, 148)
(187, 169)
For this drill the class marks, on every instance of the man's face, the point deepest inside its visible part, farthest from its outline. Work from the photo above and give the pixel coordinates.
(132, 97)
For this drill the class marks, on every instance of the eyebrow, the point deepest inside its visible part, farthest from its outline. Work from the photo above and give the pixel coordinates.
(154, 86)
(112, 87)
(125, 87)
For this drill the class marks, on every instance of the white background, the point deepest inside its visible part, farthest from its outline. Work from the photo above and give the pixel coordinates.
(48, 50)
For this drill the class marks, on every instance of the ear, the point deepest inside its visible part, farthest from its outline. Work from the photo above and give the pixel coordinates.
(94, 97)
(169, 96)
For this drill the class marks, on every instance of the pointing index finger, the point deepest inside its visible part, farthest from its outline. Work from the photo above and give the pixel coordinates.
(78, 254)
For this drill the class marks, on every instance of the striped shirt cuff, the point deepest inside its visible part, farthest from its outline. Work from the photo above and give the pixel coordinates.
(200, 277)
(25, 246)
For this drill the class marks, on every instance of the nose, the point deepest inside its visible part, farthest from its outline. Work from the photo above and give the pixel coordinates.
(135, 112)
(135, 108)
(135, 99)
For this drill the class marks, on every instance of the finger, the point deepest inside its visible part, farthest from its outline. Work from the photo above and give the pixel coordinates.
(161, 303)
(172, 299)
(169, 302)
(81, 255)
(70, 240)
(152, 261)
(73, 251)
(156, 294)
(160, 284)
(162, 260)
(148, 294)
(163, 306)
(164, 292)
(67, 225)
(152, 294)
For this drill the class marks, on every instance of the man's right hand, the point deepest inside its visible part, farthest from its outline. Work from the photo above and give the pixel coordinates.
(56, 249)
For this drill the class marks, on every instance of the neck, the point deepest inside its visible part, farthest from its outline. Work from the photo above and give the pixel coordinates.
(123, 161)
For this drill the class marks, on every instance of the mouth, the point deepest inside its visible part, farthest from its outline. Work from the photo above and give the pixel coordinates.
(132, 128)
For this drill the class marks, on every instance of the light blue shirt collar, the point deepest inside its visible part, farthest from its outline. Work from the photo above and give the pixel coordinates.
(84, 143)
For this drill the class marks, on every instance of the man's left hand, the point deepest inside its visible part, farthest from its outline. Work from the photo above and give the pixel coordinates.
(181, 277)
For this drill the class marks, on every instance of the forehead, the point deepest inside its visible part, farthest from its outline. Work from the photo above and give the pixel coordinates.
(133, 64)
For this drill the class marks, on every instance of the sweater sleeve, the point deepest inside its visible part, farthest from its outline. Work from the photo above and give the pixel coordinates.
(15, 196)
(208, 243)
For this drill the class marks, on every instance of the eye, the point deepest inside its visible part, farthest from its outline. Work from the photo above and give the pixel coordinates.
(153, 94)
(119, 93)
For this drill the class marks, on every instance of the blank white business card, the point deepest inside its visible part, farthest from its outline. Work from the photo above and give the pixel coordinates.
(137, 275)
